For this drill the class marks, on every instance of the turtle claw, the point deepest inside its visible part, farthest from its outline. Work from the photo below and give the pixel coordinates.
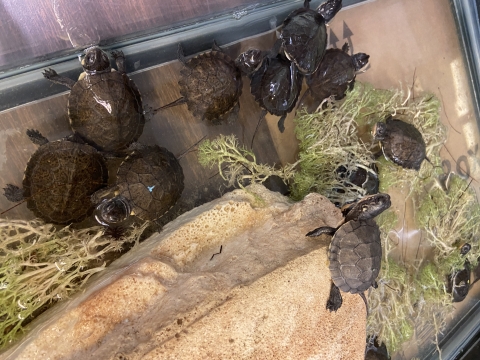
(50, 74)
(13, 193)
(117, 54)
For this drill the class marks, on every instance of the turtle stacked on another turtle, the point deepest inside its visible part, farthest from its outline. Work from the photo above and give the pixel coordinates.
(336, 73)
(104, 105)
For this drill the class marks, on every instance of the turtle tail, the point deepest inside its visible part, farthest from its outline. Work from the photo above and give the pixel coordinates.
(362, 295)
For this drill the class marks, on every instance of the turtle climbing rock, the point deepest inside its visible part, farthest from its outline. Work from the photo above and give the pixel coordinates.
(304, 34)
(104, 105)
(149, 182)
(401, 143)
(210, 85)
(59, 179)
(336, 73)
(355, 252)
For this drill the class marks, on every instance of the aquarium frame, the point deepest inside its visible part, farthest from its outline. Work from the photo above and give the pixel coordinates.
(467, 20)
(26, 84)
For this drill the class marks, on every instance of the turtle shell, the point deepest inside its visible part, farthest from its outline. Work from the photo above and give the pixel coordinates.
(403, 144)
(276, 85)
(355, 255)
(211, 83)
(151, 179)
(304, 38)
(106, 110)
(59, 179)
(335, 75)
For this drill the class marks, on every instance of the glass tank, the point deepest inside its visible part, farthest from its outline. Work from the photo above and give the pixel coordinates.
(423, 63)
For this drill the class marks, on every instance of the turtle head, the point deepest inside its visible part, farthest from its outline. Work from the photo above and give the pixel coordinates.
(111, 212)
(329, 9)
(368, 207)
(95, 61)
(379, 131)
(360, 60)
(249, 61)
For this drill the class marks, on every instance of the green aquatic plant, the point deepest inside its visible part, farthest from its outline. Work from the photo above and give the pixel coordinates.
(236, 164)
(41, 265)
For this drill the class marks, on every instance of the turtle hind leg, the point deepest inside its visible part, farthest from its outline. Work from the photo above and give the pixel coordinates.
(13, 193)
(321, 230)
(52, 75)
(36, 137)
(335, 300)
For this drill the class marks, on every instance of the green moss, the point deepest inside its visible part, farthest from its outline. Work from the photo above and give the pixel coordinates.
(450, 219)
(41, 265)
(339, 134)
(236, 164)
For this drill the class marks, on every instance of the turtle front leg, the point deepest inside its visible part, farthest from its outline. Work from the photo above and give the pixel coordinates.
(52, 75)
(119, 60)
(13, 193)
(335, 300)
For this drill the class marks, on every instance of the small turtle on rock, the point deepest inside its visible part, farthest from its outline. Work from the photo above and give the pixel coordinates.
(355, 252)
(274, 81)
(304, 34)
(149, 182)
(104, 105)
(59, 179)
(336, 73)
(210, 85)
(401, 143)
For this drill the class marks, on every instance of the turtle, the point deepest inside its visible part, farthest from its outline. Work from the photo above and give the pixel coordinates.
(401, 143)
(336, 73)
(274, 81)
(104, 105)
(363, 180)
(149, 182)
(458, 283)
(304, 34)
(355, 252)
(210, 85)
(59, 179)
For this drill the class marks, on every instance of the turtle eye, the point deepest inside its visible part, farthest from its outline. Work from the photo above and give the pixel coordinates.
(364, 208)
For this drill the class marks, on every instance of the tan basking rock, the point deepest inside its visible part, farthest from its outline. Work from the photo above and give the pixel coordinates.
(232, 279)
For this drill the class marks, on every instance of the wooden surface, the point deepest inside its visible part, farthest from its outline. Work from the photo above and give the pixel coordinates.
(32, 29)
(174, 128)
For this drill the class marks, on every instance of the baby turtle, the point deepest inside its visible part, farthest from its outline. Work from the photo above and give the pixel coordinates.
(336, 73)
(104, 105)
(355, 252)
(149, 182)
(458, 283)
(59, 179)
(304, 35)
(211, 85)
(274, 81)
(401, 143)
